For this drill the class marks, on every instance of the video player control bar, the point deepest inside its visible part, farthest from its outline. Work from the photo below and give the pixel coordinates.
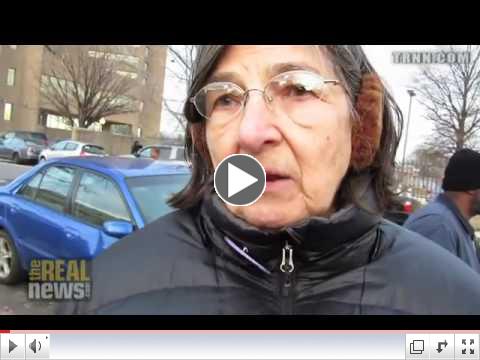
(236, 345)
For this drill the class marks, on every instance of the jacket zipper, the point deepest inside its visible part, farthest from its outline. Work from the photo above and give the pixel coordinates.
(287, 268)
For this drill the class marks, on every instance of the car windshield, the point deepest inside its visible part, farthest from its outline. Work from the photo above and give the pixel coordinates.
(152, 192)
(93, 149)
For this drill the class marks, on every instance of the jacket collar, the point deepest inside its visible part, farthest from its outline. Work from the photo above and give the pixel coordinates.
(313, 238)
(445, 200)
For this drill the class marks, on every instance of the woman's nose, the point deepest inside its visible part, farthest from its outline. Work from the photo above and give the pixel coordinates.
(257, 127)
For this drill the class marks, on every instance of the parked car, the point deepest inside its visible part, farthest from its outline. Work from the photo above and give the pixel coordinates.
(26, 135)
(75, 208)
(68, 148)
(21, 146)
(401, 208)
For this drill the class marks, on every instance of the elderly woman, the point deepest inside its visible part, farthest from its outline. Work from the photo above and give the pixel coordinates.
(325, 129)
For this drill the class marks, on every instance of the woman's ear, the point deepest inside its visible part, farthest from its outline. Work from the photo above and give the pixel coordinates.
(367, 127)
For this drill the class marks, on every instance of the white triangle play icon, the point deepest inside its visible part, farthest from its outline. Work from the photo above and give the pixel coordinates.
(238, 180)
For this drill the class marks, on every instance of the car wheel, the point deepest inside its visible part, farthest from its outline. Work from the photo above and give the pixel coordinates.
(11, 271)
(16, 158)
(42, 159)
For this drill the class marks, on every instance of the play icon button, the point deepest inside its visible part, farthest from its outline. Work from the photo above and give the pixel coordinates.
(11, 346)
(239, 180)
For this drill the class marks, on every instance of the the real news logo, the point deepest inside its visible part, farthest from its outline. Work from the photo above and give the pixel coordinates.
(59, 280)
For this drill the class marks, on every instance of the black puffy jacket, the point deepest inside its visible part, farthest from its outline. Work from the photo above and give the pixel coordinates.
(206, 261)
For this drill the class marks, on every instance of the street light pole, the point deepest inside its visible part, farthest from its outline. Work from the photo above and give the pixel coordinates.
(412, 94)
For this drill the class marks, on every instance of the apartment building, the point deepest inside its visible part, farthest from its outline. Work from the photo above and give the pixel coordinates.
(23, 68)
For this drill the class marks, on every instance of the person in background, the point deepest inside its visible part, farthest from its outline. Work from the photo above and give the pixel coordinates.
(155, 153)
(135, 147)
(445, 220)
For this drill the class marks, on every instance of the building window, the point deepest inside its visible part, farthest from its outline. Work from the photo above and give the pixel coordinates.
(128, 74)
(139, 132)
(8, 111)
(13, 47)
(140, 106)
(121, 129)
(132, 60)
(11, 77)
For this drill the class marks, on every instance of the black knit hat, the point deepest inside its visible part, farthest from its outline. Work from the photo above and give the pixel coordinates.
(463, 171)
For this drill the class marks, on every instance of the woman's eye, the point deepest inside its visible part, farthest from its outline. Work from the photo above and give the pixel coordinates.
(226, 101)
(298, 91)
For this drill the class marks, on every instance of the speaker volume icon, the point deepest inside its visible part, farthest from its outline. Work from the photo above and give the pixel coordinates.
(35, 346)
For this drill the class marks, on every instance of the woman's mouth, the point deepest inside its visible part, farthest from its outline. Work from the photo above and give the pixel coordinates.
(276, 181)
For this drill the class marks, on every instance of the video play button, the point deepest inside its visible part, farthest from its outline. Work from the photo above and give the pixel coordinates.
(11, 346)
(239, 180)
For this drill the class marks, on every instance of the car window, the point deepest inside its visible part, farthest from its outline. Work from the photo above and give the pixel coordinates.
(30, 188)
(54, 188)
(98, 200)
(165, 153)
(71, 146)
(9, 135)
(7, 142)
(36, 138)
(180, 155)
(94, 150)
(39, 136)
(19, 142)
(34, 141)
(59, 146)
(151, 193)
(14, 142)
(146, 153)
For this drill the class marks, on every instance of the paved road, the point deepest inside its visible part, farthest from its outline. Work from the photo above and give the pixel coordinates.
(9, 171)
(13, 300)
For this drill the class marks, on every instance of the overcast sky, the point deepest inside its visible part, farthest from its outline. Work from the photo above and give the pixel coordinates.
(397, 77)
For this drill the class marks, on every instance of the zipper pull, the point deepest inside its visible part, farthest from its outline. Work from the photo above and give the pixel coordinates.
(287, 259)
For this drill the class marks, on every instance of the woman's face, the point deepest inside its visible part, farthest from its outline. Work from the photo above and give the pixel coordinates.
(305, 152)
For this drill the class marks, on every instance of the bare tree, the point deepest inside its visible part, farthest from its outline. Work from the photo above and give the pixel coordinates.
(430, 161)
(88, 83)
(450, 94)
(179, 70)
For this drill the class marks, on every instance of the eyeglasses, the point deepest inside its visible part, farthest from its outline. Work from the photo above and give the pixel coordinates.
(292, 93)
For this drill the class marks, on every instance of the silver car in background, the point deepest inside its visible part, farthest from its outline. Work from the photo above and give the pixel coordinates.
(69, 148)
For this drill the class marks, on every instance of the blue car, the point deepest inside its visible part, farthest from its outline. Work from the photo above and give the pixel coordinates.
(75, 208)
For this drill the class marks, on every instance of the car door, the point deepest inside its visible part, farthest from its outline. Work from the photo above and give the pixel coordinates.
(5, 151)
(71, 149)
(38, 215)
(2, 148)
(57, 150)
(95, 200)
(10, 145)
